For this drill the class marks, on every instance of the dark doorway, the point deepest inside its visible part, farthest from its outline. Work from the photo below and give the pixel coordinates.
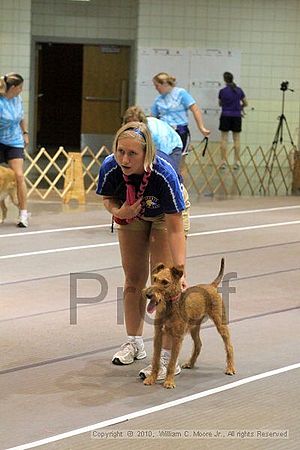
(59, 95)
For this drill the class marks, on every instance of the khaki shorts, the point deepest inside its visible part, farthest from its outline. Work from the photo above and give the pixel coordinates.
(186, 211)
(159, 222)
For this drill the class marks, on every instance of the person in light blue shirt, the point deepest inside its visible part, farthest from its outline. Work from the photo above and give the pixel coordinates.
(165, 138)
(173, 105)
(14, 136)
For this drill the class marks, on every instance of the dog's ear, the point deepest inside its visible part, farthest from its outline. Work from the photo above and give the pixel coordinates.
(158, 268)
(177, 272)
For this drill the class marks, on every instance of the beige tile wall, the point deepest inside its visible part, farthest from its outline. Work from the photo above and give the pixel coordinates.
(266, 32)
(15, 39)
(109, 19)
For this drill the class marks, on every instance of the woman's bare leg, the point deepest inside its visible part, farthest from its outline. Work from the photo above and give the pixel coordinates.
(237, 146)
(134, 247)
(17, 166)
(223, 145)
(160, 253)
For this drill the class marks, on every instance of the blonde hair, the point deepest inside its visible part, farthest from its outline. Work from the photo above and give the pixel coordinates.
(164, 78)
(9, 80)
(134, 114)
(139, 132)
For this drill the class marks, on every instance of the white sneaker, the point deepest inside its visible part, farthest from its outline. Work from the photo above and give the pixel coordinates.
(22, 222)
(128, 353)
(162, 373)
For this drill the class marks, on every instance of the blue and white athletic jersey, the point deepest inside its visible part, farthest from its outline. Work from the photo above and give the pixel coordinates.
(163, 194)
(11, 114)
(173, 107)
(164, 136)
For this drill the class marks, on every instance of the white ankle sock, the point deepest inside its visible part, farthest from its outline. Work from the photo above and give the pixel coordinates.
(138, 340)
(23, 213)
(166, 353)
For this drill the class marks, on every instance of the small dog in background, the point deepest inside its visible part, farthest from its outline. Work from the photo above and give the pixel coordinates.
(8, 188)
(178, 312)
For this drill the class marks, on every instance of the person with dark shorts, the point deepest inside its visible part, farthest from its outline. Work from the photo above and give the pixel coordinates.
(172, 106)
(232, 101)
(14, 136)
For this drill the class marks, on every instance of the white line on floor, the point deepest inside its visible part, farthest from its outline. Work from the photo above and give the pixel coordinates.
(154, 409)
(247, 211)
(107, 244)
(251, 227)
(54, 230)
(58, 250)
(107, 225)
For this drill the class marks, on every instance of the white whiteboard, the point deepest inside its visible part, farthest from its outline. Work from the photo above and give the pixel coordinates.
(206, 79)
(198, 70)
(151, 61)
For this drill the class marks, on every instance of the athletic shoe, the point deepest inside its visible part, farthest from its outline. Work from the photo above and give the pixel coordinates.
(128, 353)
(236, 166)
(222, 166)
(162, 373)
(22, 222)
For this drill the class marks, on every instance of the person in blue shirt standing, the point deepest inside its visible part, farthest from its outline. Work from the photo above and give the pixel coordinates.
(173, 105)
(232, 101)
(14, 136)
(143, 193)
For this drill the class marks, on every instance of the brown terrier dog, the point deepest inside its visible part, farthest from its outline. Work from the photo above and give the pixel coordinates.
(8, 188)
(178, 312)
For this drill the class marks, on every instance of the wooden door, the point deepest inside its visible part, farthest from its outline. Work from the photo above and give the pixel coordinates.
(105, 88)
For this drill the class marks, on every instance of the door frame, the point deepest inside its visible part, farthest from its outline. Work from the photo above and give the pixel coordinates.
(32, 109)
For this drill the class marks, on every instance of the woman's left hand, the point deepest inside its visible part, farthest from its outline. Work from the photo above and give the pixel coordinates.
(26, 139)
(205, 132)
(127, 211)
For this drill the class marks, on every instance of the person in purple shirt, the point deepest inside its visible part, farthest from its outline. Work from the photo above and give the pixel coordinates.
(232, 101)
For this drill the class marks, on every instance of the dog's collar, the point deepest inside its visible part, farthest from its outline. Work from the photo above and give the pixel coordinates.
(175, 298)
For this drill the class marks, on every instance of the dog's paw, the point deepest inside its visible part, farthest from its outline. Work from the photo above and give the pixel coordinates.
(149, 380)
(187, 365)
(230, 371)
(169, 384)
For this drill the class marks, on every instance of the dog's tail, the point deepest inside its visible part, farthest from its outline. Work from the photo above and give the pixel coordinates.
(217, 281)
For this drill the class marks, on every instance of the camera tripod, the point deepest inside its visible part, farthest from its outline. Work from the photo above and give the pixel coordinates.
(277, 137)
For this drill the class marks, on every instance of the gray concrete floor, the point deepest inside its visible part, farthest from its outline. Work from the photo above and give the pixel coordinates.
(56, 377)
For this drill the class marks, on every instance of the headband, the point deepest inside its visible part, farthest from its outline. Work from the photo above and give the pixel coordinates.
(137, 131)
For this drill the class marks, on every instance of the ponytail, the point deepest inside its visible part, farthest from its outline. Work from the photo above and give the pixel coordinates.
(228, 78)
(165, 78)
(9, 80)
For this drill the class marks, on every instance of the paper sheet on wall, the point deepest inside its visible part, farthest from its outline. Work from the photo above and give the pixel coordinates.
(198, 70)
